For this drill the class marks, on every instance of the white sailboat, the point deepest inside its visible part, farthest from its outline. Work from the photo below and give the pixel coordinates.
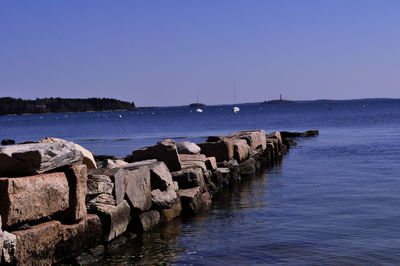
(198, 110)
(235, 108)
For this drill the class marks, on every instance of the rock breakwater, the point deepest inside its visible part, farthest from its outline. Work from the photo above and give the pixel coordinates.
(59, 204)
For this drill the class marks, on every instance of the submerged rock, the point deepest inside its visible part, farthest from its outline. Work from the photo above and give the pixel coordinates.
(7, 142)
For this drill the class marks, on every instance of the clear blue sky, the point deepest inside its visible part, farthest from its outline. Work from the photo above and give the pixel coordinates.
(164, 52)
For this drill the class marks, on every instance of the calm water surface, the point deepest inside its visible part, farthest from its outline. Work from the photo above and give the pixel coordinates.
(333, 200)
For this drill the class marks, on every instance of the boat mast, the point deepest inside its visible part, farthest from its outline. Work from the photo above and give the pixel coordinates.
(234, 93)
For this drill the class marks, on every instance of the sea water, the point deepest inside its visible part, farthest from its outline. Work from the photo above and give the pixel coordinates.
(333, 200)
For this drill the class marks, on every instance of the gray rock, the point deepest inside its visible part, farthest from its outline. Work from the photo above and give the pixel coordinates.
(9, 246)
(99, 184)
(189, 178)
(138, 188)
(96, 202)
(28, 159)
(136, 165)
(187, 147)
(164, 151)
(87, 159)
(115, 219)
(118, 177)
(160, 175)
(164, 199)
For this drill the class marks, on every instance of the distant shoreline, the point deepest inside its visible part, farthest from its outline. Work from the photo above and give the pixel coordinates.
(134, 108)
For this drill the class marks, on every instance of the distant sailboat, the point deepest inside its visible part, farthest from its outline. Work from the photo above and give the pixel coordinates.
(235, 108)
(198, 110)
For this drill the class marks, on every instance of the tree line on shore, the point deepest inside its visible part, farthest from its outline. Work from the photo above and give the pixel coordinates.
(10, 105)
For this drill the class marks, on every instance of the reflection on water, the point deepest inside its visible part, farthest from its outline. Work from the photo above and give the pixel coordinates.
(172, 242)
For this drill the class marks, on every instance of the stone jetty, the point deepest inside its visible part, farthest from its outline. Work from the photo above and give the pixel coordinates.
(61, 204)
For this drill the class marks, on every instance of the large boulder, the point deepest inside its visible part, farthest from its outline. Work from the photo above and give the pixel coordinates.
(77, 179)
(159, 174)
(138, 188)
(31, 198)
(187, 147)
(164, 199)
(164, 151)
(37, 245)
(193, 160)
(255, 138)
(88, 158)
(189, 178)
(241, 149)
(222, 150)
(35, 158)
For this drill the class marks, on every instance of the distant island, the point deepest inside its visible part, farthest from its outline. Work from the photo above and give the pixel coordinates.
(280, 100)
(18, 106)
(197, 105)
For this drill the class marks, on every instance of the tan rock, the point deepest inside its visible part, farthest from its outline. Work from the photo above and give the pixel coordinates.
(31, 198)
(36, 246)
(193, 160)
(211, 163)
(77, 179)
(241, 149)
(255, 138)
(80, 236)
